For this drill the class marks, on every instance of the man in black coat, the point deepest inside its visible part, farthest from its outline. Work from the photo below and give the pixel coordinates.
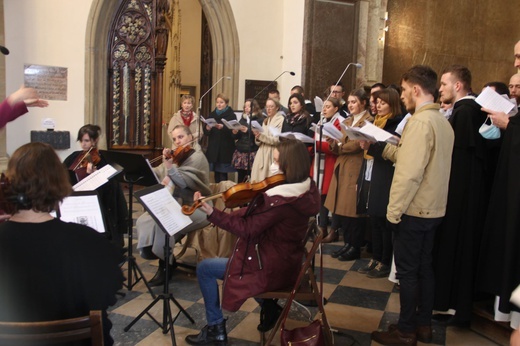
(458, 238)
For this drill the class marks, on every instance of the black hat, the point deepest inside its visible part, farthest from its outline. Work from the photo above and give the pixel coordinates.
(4, 50)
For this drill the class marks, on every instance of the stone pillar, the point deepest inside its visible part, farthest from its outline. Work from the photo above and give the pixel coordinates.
(3, 145)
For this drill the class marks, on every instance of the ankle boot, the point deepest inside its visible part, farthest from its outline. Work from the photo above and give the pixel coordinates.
(269, 315)
(160, 275)
(210, 335)
(332, 237)
(341, 251)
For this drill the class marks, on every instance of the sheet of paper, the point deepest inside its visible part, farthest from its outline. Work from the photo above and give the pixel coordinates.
(331, 131)
(274, 131)
(232, 124)
(210, 121)
(166, 210)
(297, 135)
(490, 99)
(96, 179)
(379, 134)
(256, 125)
(318, 103)
(84, 210)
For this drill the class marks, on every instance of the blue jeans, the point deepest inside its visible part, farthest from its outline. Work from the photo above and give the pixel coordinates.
(208, 271)
(413, 243)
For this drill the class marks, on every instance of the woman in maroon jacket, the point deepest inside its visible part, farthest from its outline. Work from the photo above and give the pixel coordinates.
(270, 247)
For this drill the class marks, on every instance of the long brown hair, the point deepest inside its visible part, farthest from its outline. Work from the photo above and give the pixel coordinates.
(294, 160)
(37, 177)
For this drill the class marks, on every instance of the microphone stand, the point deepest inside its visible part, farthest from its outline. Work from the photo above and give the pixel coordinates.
(200, 105)
(251, 115)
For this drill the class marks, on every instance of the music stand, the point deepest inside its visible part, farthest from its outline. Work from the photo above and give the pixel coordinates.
(166, 296)
(136, 170)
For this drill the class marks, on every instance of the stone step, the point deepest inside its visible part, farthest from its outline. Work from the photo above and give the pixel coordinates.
(483, 323)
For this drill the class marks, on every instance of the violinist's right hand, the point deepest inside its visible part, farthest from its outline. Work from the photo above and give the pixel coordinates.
(208, 209)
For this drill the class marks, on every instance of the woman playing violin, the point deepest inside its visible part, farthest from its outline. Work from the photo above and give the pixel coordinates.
(190, 175)
(83, 163)
(268, 253)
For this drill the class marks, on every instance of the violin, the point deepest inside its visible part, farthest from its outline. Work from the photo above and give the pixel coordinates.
(179, 155)
(239, 194)
(79, 166)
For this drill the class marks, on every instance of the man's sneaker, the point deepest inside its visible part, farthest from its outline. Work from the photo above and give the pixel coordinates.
(371, 265)
(380, 271)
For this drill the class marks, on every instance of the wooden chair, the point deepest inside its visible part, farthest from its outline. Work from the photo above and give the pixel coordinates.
(37, 333)
(306, 288)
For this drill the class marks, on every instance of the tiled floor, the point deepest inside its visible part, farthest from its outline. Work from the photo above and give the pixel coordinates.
(357, 305)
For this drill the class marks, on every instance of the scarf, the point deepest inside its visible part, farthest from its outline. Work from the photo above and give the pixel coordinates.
(294, 118)
(379, 121)
(187, 117)
(220, 112)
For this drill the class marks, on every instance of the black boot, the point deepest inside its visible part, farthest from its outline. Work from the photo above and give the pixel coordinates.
(269, 315)
(341, 251)
(210, 335)
(160, 275)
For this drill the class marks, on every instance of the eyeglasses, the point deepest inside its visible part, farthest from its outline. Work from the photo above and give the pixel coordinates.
(336, 92)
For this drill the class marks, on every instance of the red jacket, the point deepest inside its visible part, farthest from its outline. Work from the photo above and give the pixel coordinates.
(269, 251)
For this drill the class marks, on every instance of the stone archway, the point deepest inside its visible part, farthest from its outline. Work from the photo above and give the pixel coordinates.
(225, 50)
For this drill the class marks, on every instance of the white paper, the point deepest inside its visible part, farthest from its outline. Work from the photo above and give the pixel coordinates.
(297, 135)
(96, 179)
(331, 131)
(370, 133)
(318, 103)
(232, 124)
(84, 210)
(210, 121)
(167, 211)
(490, 99)
(274, 131)
(515, 296)
(256, 125)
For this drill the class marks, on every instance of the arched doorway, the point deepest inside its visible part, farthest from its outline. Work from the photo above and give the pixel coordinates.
(226, 53)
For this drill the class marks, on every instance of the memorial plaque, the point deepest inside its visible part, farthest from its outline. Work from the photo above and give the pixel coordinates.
(50, 81)
(253, 87)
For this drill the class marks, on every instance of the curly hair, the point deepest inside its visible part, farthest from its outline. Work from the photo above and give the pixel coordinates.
(37, 177)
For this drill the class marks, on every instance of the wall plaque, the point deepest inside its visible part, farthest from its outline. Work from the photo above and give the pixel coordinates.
(50, 81)
(253, 87)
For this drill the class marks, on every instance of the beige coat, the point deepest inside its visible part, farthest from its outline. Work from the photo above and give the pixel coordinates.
(266, 143)
(422, 166)
(342, 196)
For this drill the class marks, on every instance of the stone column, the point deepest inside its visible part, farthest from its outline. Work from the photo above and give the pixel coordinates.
(3, 145)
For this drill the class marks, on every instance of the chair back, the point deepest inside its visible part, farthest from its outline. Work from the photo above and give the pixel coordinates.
(47, 332)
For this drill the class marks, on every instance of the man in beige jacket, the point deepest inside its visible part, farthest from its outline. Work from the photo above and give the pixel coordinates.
(417, 204)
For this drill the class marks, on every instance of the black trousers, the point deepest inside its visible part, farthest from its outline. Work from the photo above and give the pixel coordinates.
(353, 230)
(382, 246)
(413, 243)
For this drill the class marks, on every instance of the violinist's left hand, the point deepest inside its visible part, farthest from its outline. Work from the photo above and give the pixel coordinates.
(90, 168)
(208, 209)
(5, 217)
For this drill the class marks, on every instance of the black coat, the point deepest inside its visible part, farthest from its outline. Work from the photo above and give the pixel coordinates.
(245, 142)
(302, 125)
(498, 266)
(381, 180)
(221, 144)
(457, 240)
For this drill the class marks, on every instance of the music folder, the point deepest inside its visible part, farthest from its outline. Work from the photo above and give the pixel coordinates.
(82, 207)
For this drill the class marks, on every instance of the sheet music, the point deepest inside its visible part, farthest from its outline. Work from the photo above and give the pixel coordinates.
(318, 104)
(210, 121)
(256, 125)
(96, 179)
(232, 124)
(490, 99)
(331, 131)
(370, 133)
(166, 210)
(84, 210)
(153, 170)
(297, 135)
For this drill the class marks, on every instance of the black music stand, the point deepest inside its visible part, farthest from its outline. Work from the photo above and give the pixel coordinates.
(136, 170)
(166, 296)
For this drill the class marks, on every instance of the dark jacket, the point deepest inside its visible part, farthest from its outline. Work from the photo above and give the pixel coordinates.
(243, 141)
(301, 125)
(221, 144)
(381, 180)
(269, 251)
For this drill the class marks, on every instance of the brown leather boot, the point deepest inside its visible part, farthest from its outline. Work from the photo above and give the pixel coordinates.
(395, 337)
(423, 333)
(332, 237)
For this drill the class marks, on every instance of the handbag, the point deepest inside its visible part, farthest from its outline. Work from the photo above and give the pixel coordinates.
(310, 335)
